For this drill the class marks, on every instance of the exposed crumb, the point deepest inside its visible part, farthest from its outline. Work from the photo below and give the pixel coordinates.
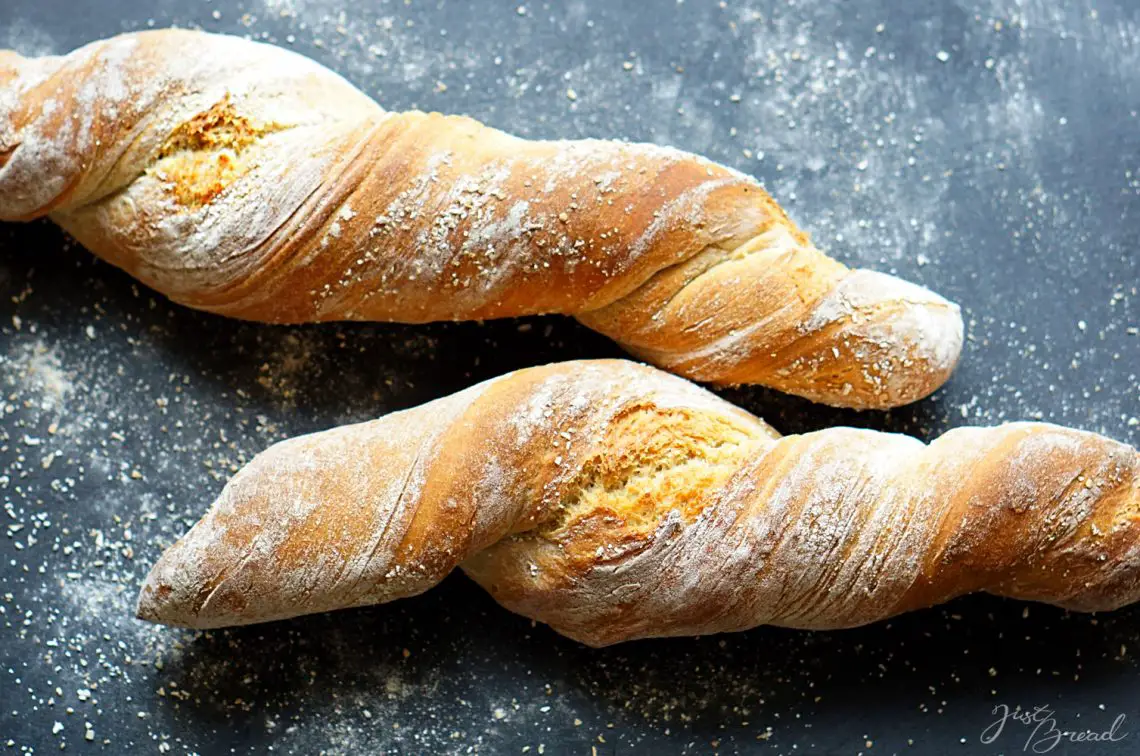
(205, 154)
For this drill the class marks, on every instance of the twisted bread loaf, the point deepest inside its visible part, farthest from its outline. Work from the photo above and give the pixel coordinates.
(614, 501)
(246, 180)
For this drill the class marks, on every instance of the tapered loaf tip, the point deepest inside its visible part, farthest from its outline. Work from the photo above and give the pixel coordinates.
(166, 597)
(904, 340)
(146, 608)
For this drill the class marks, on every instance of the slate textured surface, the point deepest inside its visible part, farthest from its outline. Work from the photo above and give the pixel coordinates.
(988, 149)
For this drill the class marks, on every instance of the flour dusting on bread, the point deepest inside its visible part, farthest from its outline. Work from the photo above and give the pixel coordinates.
(246, 180)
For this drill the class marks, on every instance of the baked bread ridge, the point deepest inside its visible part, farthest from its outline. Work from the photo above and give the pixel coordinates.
(613, 501)
(249, 181)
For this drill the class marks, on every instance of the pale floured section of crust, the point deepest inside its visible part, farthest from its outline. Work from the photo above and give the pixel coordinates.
(312, 524)
(906, 338)
(93, 121)
(181, 249)
(926, 325)
(775, 311)
(95, 149)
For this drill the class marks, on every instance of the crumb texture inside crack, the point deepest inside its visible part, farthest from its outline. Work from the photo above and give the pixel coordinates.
(657, 462)
(205, 154)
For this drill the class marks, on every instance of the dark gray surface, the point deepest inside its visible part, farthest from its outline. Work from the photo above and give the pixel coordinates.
(122, 415)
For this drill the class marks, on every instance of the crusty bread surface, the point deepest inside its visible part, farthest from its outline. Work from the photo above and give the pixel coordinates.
(614, 501)
(247, 180)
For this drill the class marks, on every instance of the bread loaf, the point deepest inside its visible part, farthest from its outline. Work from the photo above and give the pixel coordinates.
(613, 501)
(246, 180)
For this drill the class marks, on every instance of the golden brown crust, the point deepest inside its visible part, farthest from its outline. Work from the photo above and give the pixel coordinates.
(614, 501)
(246, 180)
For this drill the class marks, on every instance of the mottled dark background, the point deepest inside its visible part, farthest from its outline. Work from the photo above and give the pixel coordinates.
(987, 149)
